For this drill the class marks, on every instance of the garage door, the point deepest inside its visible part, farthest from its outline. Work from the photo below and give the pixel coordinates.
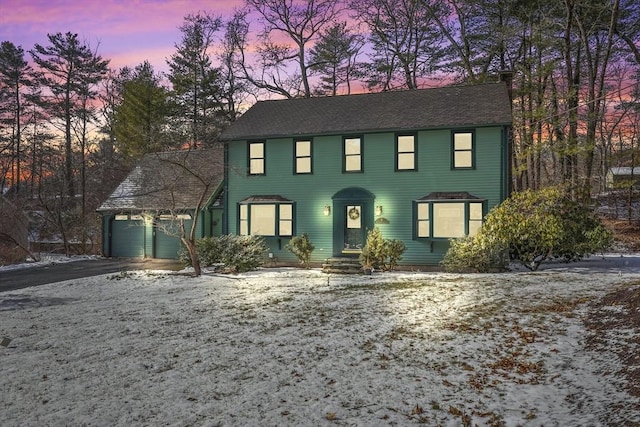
(127, 238)
(166, 241)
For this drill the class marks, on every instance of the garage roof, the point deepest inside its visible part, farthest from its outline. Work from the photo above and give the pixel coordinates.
(169, 181)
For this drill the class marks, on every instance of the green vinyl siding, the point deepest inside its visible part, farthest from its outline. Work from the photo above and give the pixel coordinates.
(394, 191)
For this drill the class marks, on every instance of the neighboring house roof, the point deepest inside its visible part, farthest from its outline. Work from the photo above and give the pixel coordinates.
(625, 170)
(445, 107)
(169, 180)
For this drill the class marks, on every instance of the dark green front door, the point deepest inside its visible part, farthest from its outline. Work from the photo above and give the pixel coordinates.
(352, 218)
(354, 236)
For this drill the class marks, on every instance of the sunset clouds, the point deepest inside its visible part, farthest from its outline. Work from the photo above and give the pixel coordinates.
(127, 32)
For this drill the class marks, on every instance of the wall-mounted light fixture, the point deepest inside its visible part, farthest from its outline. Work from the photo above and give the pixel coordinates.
(327, 210)
(378, 210)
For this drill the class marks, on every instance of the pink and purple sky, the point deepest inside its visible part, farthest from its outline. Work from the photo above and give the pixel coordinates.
(127, 32)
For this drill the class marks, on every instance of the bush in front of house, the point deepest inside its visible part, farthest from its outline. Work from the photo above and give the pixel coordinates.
(475, 254)
(236, 254)
(379, 253)
(531, 227)
(394, 249)
(302, 248)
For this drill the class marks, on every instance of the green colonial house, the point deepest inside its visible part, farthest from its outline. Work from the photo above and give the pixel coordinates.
(424, 166)
(142, 217)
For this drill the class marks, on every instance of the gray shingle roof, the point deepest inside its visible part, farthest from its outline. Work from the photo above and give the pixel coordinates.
(170, 180)
(445, 107)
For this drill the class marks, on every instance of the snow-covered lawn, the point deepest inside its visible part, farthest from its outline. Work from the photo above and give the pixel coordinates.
(294, 347)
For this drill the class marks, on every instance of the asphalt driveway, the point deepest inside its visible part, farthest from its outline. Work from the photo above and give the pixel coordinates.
(11, 280)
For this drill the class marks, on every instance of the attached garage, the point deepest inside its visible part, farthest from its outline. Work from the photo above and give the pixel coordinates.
(127, 236)
(166, 243)
(141, 217)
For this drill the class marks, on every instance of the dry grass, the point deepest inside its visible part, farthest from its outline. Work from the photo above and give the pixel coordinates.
(617, 310)
(626, 233)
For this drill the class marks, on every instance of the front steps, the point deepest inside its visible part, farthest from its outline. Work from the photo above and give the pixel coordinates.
(342, 265)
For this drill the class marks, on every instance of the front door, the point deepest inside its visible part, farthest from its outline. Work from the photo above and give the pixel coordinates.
(354, 237)
(352, 217)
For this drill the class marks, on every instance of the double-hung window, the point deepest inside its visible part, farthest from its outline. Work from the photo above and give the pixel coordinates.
(463, 156)
(256, 158)
(448, 215)
(406, 153)
(352, 149)
(302, 161)
(266, 217)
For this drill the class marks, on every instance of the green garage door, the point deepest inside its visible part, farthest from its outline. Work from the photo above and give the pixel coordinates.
(127, 238)
(166, 240)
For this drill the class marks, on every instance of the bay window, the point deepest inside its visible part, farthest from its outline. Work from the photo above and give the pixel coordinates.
(266, 216)
(448, 215)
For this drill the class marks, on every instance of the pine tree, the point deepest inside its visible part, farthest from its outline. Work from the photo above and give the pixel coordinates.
(68, 69)
(140, 116)
(333, 58)
(195, 79)
(15, 76)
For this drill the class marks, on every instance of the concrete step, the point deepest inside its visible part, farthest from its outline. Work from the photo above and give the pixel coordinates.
(342, 266)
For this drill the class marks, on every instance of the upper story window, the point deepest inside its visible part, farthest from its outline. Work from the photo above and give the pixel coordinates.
(302, 157)
(256, 158)
(406, 152)
(266, 217)
(448, 215)
(463, 150)
(352, 147)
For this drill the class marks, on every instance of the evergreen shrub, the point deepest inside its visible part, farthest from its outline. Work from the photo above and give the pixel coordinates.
(302, 248)
(531, 227)
(236, 254)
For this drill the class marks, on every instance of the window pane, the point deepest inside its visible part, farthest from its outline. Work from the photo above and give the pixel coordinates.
(244, 223)
(475, 211)
(303, 165)
(256, 150)
(423, 228)
(286, 228)
(405, 161)
(286, 211)
(474, 226)
(423, 211)
(448, 219)
(462, 159)
(352, 146)
(405, 144)
(256, 166)
(462, 141)
(353, 217)
(303, 148)
(352, 163)
(263, 220)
